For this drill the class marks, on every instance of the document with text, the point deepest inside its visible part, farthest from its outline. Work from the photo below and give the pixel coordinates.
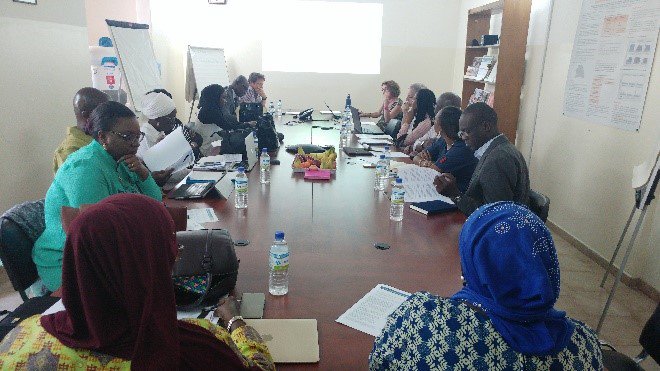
(370, 313)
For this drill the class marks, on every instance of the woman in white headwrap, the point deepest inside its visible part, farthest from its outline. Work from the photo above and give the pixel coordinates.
(159, 108)
(161, 114)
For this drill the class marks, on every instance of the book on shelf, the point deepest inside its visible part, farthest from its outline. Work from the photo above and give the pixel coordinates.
(479, 95)
(492, 73)
(471, 71)
(485, 66)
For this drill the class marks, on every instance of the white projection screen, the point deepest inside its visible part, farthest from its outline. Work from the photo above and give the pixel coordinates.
(137, 59)
(323, 37)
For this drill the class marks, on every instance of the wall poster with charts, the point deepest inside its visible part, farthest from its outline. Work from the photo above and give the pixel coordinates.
(611, 61)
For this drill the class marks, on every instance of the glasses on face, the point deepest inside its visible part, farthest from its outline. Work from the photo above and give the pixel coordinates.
(130, 137)
(464, 134)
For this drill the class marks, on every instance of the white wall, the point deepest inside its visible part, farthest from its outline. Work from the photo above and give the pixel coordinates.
(583, 167)
(417, 46)
(44, 62)
(119, 10)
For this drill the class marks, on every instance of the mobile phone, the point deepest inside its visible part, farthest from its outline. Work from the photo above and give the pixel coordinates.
(252, 305)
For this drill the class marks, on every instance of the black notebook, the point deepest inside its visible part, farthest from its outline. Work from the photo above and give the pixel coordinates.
(432, 207)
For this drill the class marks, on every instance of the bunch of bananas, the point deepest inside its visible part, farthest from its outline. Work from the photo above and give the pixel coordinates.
(325, 160)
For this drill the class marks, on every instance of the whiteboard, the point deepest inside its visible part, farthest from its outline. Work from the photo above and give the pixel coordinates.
(206, 66)
(137, 59)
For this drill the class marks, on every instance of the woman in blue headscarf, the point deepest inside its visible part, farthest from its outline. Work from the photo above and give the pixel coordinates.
(503, 318)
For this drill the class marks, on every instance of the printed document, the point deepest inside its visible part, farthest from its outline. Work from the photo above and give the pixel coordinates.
(418, 184)
(370, 313)
(173, 151)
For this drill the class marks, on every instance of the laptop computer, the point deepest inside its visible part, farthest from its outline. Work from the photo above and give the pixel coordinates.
(289, 340)
(364, 128)
(252, 155)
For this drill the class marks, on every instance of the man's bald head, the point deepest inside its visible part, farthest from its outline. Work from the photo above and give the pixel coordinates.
(84, 102)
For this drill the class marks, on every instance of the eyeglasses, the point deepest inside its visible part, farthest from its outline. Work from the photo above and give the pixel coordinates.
(463, 134)
(130, 137)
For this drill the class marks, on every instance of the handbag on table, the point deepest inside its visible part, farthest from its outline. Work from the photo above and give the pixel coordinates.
(206, 268)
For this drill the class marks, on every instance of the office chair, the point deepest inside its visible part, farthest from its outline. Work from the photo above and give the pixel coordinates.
(539, 204)
(16, 254)
(649, 340)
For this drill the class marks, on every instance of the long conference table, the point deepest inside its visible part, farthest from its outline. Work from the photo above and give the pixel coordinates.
(331, 228)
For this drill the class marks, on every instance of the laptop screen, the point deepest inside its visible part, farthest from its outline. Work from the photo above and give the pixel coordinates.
(252, 149)
(357, 124)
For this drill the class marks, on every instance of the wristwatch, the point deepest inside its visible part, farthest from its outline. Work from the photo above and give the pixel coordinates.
(232, 320)
(456, 199)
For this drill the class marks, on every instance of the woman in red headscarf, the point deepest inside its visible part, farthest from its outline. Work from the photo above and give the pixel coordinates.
(119, 300)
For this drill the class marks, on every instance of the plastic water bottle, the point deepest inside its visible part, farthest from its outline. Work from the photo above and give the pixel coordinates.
(255, 138)
(271, 108)
(279, 109)
(348, 118)
(381, 174)
(343, 135)
(388, 156)
(241, 189)
(396, 205)
(278, 263)
(348, 101)
(264, 175)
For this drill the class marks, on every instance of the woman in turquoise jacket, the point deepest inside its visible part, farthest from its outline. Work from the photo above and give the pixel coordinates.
(106, 166)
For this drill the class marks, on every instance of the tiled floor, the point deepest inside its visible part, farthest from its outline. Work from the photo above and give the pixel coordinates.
(580, 297)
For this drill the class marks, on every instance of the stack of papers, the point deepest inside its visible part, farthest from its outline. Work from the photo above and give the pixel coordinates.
(217, 163)
(197, 217)
(370, 313)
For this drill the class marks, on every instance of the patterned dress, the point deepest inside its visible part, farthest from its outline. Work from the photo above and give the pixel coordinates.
(432, 333)
(30, 347)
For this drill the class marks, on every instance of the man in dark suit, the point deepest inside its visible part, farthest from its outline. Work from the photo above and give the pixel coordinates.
(501, 173)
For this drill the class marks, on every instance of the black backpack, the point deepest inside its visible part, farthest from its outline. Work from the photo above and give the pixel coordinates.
(266, 133)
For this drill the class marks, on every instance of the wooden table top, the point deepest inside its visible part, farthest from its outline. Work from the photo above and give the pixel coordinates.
(331, 227)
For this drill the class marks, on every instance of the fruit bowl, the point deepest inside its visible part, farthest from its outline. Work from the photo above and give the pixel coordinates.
(314, 161)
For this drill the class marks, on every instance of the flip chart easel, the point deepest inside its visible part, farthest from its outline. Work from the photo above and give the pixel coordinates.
(205, 66)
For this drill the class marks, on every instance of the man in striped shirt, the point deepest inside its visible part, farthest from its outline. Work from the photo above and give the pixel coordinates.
(255, 93)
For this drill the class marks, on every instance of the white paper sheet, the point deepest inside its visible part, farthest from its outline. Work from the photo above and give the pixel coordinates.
(371, 136)
(59, 306)
(370, 313)
(188, 314)
(611, 62)
(423, 192)
(374, 141)
(379, 150)
(173, 151)
(418, 184)
(202, 215)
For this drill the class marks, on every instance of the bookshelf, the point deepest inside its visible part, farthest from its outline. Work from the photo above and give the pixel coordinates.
(510, 20)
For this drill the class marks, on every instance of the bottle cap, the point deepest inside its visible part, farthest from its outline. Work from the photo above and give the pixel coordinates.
(279, 235)
(264, 150)
(399, 180)
(241, 169)
(382, 157)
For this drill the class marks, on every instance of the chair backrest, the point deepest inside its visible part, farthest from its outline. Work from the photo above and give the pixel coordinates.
(539, 204)
(650, 337)
(16, 256)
